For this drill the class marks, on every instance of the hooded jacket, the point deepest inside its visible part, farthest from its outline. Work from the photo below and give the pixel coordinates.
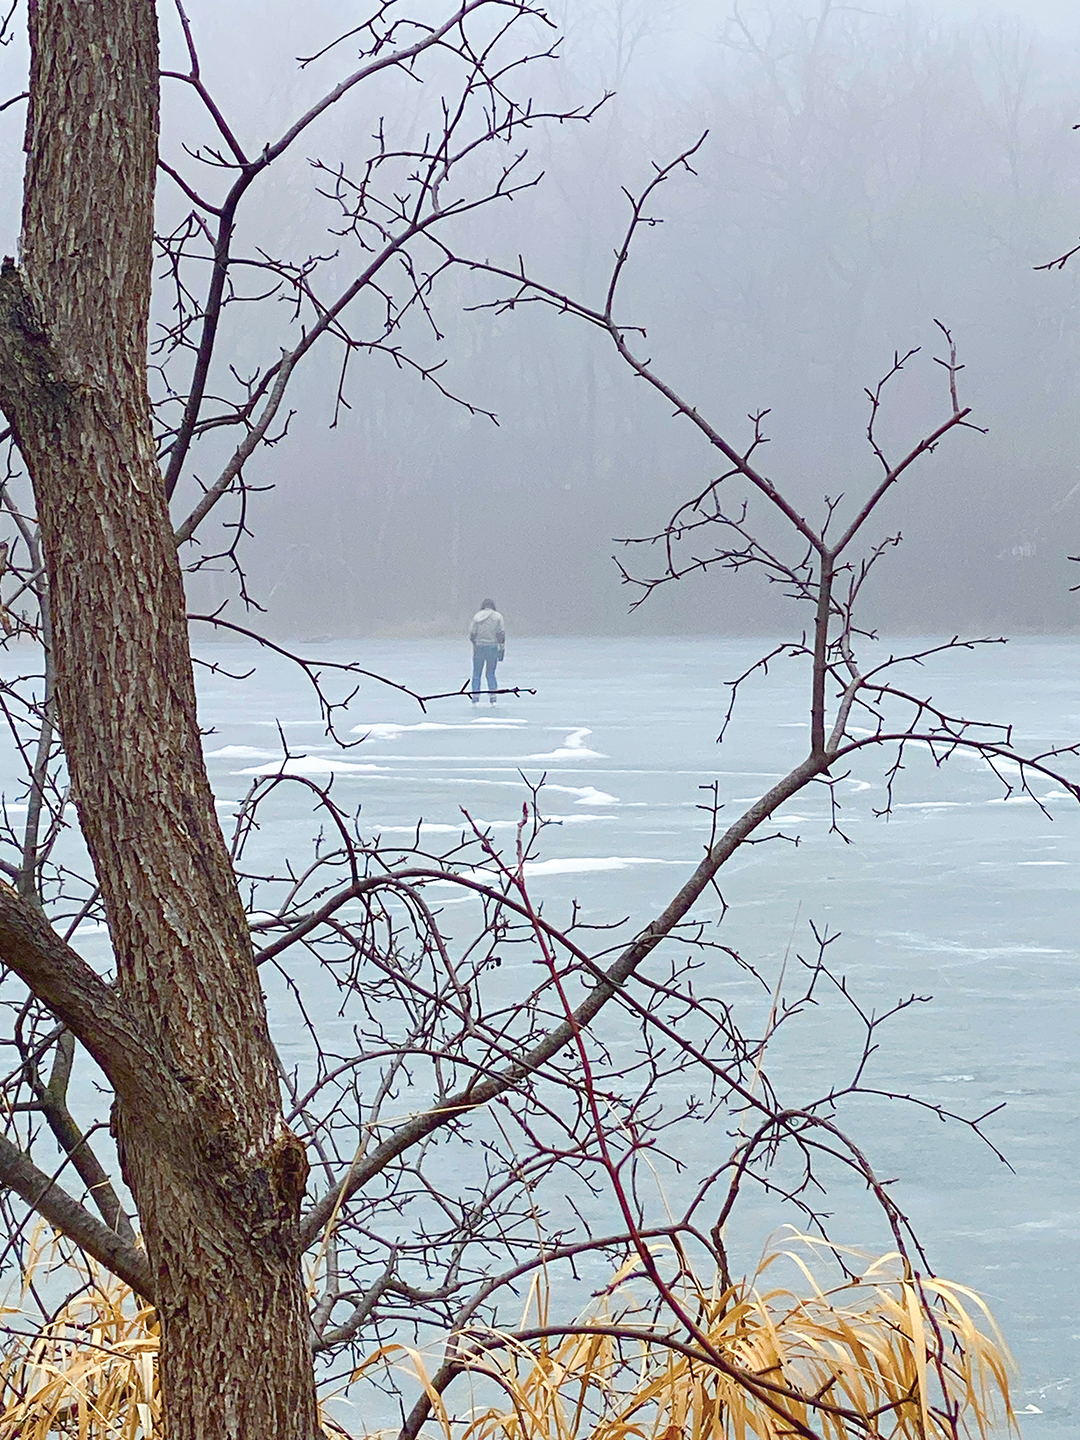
(487, 628)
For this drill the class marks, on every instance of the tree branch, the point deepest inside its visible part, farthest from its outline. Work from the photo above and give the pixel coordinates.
(75, 1144)
(93, 1010)
(45, 1196)
(482, 1093)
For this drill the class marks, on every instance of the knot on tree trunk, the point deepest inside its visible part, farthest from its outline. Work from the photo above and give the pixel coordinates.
(271, 1194)
(30, 373)
(262, 1193)
(289, 1173)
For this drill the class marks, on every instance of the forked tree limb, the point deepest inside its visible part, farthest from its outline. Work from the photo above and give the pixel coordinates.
(53, 1203)
(91, 1009)
(74, 1142)
(99, 1017)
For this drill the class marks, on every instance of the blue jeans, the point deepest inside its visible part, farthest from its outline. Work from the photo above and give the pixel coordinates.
(484, 657)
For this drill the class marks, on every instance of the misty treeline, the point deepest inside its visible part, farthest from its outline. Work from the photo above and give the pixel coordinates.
(864, 173)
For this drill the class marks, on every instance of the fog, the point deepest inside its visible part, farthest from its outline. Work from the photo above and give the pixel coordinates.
(909, 165)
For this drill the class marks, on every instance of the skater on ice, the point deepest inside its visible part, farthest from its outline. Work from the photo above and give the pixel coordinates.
(488, 641)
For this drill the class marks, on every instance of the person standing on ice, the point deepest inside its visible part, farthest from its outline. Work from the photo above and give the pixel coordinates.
(488, 646)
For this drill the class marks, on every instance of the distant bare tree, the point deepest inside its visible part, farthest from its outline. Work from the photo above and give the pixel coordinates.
(613, 32)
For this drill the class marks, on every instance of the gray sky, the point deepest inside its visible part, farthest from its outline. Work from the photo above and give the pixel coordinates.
(926, 184)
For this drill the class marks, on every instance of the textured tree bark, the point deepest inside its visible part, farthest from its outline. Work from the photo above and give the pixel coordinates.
(218, 1180)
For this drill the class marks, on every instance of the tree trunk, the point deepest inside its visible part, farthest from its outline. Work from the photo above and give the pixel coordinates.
(219, 1199)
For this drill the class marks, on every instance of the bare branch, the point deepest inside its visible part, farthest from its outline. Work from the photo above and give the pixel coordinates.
(55, 1205)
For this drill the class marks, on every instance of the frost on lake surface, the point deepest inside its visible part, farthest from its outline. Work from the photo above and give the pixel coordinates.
(962, 894)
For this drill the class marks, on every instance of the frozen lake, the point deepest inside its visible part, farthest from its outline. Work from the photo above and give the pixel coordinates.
(962, 894)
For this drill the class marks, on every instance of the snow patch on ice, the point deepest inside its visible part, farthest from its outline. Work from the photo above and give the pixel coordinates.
(387, 730)
(392, 730)
(309, 766)
(587, 794)
(932, 804)
(572, 748)
(241, 752)
(579, 865)
(438, 828)
(435, 828)
(584, 865)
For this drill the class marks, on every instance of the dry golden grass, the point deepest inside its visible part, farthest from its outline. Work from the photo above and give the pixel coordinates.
(869, 1349)
(92, 1373)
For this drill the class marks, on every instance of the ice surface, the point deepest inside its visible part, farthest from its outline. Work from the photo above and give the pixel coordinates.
(962, 894)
